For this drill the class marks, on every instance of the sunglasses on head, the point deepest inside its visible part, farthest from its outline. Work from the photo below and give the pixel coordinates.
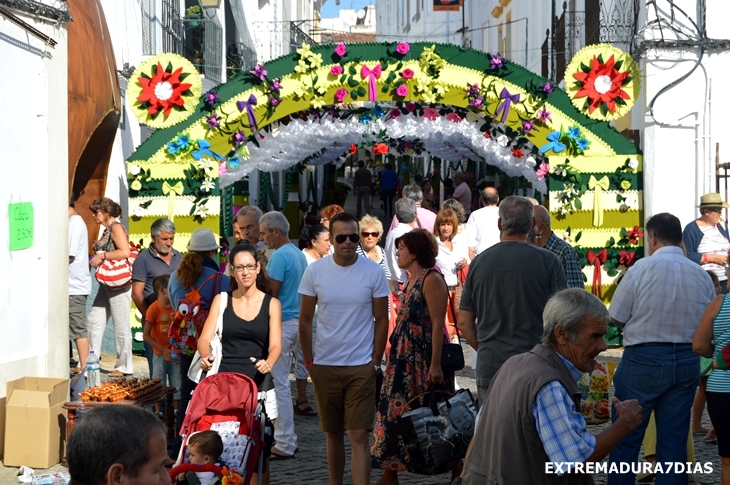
(340, 238)
(366, 234)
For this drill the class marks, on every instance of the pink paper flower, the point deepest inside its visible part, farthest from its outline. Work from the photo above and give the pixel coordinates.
(407, 73)
(336, 70)
(341, 49)
(544, 115)
(402, 48)
(402, 90)
(453, 117)
(430, 114)
(542, 171)
(340, 94)
(410, 107)
(222, 169)
(394, 114)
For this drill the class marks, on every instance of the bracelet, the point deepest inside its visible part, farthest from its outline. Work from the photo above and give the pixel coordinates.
(308, 364)
(205, 356)
(104, 255)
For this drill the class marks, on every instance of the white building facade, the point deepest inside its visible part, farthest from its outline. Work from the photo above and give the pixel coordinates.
(34, 279)
(680, 45)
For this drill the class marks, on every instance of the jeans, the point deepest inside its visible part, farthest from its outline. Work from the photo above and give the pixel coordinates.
(363, 198)
(114, 302)
(286, 439)
(387, 197)
(168, 373)
(663, 378)
(186, 389)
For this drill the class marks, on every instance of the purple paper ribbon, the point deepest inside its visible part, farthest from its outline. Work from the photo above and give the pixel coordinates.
(248, 106)
(371, 75)
(507, 100)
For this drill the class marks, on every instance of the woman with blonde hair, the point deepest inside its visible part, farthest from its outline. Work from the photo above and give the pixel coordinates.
(114, 302)
(452, 256)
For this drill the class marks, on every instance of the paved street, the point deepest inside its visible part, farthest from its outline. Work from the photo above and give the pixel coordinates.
(310, 465)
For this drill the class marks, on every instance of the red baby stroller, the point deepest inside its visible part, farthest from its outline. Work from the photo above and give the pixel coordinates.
(228, 403)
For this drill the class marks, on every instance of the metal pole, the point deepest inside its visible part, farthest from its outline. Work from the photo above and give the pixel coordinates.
(553, 42)
(463, 23)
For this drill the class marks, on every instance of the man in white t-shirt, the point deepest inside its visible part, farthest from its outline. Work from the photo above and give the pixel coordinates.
(352, 323)
(482, 229)
(79, 282)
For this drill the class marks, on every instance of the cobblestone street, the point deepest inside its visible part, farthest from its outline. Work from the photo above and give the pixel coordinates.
(310, 465)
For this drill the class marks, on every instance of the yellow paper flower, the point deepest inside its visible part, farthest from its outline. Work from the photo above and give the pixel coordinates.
(304, 51)
(318, 102)
(164, 90)
(136, 185)
(625, 184)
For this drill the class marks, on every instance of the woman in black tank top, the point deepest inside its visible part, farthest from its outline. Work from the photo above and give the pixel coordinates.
(251, 338)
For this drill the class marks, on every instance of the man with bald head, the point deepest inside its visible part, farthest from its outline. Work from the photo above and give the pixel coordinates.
(545, 238)
(482, 229)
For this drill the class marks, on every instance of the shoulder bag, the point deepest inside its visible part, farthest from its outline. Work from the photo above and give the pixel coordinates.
(115, 273)
(196, 374)
(452, 355)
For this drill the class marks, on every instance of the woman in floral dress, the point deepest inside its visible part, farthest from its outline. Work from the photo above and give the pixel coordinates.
(414, 361)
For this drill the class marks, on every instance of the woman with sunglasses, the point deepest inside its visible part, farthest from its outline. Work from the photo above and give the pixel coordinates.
(371, 233)
(706, 238)
(414, 361)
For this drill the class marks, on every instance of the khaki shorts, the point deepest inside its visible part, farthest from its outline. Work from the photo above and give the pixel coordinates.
(77, 317)
(345, 396)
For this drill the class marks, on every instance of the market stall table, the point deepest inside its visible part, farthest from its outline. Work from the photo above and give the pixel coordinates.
(165, 393)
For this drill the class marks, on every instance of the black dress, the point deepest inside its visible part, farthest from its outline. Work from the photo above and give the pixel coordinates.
(243, 339)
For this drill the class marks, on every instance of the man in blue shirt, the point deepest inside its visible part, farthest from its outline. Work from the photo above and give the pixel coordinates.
(286, 267)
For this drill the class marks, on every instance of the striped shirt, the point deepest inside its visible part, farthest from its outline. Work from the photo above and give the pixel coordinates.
(719, 380)
(559, 424)
(662, 298)
(359, 250)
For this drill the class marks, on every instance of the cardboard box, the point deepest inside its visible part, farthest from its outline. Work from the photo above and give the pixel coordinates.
(35, 421)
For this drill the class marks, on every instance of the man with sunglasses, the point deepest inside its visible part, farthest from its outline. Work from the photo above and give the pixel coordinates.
(352, 324)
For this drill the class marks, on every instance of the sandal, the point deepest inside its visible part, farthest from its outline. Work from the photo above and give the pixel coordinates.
(304, 411)
(278, 455)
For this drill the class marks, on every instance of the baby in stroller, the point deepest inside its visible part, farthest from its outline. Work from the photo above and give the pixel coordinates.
(205, 448)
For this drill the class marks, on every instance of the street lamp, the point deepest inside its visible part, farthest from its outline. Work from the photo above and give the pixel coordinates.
(211, 3)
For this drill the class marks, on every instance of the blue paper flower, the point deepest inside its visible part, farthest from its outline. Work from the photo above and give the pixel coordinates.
(378, 111)
(365, 119)
(234, 162)
(582, 144)
(173, 148)
(574, 132)
(183, 142)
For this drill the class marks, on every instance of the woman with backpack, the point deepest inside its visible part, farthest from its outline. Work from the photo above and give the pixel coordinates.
(197, 278)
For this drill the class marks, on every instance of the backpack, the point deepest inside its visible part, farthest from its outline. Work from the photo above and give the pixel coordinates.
(192, 311)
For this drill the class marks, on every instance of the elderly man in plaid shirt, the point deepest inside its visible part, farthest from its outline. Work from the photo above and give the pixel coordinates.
(532, 409)
(545, 238)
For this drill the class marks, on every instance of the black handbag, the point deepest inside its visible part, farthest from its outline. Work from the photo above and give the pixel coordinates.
(452, 355)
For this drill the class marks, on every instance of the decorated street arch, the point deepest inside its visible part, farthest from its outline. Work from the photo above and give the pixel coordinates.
(317, 105)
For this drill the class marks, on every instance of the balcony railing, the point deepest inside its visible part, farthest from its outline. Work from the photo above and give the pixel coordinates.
(297, 36)
(239, 57)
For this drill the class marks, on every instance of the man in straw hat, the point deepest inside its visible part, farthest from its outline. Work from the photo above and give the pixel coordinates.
(706, 238)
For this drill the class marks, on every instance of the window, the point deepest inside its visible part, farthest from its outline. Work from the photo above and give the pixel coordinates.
(507, 48)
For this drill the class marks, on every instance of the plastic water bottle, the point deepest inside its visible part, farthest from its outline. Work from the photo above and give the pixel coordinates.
(93, 370)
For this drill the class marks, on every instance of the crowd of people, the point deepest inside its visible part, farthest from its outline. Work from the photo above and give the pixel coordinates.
(352, 297)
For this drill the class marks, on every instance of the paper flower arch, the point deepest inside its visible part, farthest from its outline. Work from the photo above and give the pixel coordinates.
(164, 90)
(602, 82)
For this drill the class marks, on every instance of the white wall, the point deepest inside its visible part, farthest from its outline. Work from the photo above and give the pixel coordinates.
(34, 281)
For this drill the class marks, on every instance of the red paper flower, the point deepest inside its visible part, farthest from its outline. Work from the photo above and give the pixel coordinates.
(353, 149)
(517, 152)
(380, 149)
(162, 91)
(602, 84)
(634, 234)
(626, 258)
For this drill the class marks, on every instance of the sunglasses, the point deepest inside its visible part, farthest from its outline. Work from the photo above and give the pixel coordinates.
(340, 238)
(368, 234)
